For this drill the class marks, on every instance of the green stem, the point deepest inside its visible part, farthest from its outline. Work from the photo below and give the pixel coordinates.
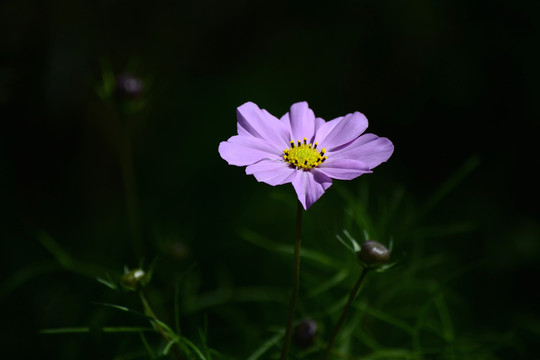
(352, 295)
(296, 276)
(148, 310)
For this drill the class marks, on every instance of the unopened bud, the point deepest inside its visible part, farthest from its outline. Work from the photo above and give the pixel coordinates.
(128, 87)
(131, 279)
(374, 253)
(305, 332)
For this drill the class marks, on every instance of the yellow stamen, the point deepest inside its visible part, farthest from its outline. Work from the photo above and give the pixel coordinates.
(303, 155)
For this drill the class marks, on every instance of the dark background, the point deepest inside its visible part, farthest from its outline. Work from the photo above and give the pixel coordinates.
(449, 82)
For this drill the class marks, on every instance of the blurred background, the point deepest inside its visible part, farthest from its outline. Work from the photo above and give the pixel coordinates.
(95, 178)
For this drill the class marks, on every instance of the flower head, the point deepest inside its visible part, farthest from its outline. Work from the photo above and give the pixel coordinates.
(305, 333)
(374, 253)
(302, 149)
(128, 86)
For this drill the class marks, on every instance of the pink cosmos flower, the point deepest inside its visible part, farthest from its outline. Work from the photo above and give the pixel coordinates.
(302, 149)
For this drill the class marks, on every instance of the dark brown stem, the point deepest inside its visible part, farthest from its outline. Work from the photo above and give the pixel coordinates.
(352, 295)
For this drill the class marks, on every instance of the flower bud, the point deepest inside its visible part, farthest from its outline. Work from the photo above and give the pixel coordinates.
(128, 87)
(374, 253)
(131, 279)
(305, 332)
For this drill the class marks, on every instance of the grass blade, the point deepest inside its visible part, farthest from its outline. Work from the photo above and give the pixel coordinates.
(266, 346)
(307, 254)
(83, 329)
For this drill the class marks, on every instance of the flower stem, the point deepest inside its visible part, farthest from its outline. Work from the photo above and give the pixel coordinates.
(296, 276)
(352, 295)
(148, 310)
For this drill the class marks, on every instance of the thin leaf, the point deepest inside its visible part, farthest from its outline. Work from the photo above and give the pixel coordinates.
(26, 274)
(64, 259)
(327, 285)
(177, 299)
(387, 354)
(194, 348)
(391, 208)
(353, 241)
(348, 246)
(110, 329)
(385, 267)
(266, 346)
(147, 346)
(308, 254)
(107, 283)
(67, 330)
(167, 347)
(422, 312)
(105, 89)
(229, 295)
(367, 339)
(444, 230)
(123, 308)
(387, 318)
(446, 319)
(446, 187)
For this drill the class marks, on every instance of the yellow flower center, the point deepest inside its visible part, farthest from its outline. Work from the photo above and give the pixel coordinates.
(303, 155)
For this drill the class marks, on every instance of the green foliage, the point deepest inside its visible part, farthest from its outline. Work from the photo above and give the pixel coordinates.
(407, 309)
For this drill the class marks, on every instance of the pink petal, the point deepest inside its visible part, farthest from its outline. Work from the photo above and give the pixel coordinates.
(309, 186)
(241, 131)
(344, 169)
(260, 123)
(318, 123)
(302, 121)
(272, 172)
(368, 148)
(286, 120)
(344, 131)
(246, 150)
(323, 129)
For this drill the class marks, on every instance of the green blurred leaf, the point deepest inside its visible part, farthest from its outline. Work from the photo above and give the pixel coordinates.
(261, 350)
(388, 354)
(109, 283)
(346, 244)
(387, 318)
(229, 295)
(108, 80)
(447, 186)
(355, 245)
(24, 275)
(194, 348)
(312, 255)
(147, 346)
(107, 329)
(65, 260)
(327, 285)
(167, 347)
